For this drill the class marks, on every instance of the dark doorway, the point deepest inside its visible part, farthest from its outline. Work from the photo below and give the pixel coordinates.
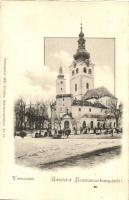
(66, 124)
(91, 124)
(104, 125)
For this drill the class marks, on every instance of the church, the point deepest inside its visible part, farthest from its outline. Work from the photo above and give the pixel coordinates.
(85, 106)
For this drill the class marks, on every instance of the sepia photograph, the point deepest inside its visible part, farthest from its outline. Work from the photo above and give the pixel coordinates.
(78, 122)
(64, 100)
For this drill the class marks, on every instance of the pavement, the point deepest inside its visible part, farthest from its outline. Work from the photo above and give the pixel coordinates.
(39, 152)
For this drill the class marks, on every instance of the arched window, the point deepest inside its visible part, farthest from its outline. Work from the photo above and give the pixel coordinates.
(87, 85)
(98, 125)
(84, 124)
(77, 70)
(75, 87)
(89, 71)
(66, 124)
(84, 70)
(104, 125)
(91, 124)
(72, 72)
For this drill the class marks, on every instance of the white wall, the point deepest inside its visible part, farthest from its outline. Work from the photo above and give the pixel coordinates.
(86, 110)
(62, 104)
(81, 78)
(60, 86)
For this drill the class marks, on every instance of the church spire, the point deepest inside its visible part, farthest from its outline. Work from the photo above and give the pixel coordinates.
(60, 75)
(81, 26)
(60, 70)
(81, 53)
(81, 41)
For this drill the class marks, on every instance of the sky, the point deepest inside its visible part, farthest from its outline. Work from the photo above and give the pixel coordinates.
(39, 82)
(60, 51)
(33, 65)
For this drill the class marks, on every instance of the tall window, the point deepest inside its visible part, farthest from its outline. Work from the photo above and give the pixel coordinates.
(75, 87)
(98, 125)
(72, 72)
(77, 70)
(87, 85)
(91, 124)
(84, 70)
(89, 71)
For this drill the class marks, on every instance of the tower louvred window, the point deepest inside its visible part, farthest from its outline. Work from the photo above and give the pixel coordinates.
(89, 71)
(87, 85)
(73, 72)
(75, 87)
(77, 70)
(84, 70)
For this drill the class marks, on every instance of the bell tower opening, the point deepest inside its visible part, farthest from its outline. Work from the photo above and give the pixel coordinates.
(60, 82)
(81, 70)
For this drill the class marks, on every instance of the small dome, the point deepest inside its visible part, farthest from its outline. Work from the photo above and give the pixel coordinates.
(81, 53)
(81, 34)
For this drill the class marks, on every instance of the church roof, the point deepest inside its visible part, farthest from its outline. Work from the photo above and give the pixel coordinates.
(67, 115)
(60, 75)
(81, 53)
(63, 95)
(87, 103)
(98, 93)
(89, 115)
(98, 116)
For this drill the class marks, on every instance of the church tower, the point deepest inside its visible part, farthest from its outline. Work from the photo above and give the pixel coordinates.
(60, 83)
(81, 70)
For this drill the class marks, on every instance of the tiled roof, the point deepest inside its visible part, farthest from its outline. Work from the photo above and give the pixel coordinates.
(63, 95)
(81, 103)
(87, 103)
(99, 117)
(98, 93)
(102, 117)
(67, 114)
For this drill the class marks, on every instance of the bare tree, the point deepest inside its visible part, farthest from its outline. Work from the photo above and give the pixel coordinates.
(32, 114)
(20, 107)
(116, 111)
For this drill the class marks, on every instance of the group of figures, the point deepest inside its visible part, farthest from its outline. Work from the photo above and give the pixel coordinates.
(64, 133)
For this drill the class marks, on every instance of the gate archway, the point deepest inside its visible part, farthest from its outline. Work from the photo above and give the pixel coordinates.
(66, 124)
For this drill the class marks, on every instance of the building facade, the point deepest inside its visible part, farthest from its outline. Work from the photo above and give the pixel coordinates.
(85, 106)
(81, 70)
